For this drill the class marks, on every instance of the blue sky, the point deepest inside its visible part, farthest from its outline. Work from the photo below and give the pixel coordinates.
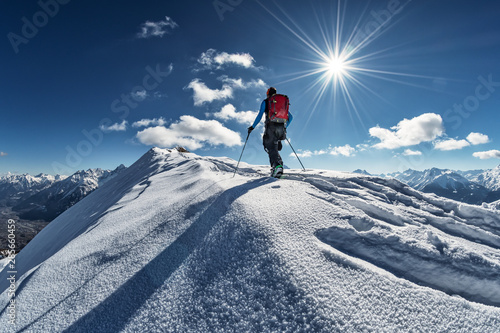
(381, 85)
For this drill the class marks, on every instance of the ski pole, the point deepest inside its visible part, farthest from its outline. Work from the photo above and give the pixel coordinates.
(296, 154)
(241, 154)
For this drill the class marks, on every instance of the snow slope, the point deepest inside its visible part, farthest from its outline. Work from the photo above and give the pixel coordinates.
(174, 243)
(4, 262)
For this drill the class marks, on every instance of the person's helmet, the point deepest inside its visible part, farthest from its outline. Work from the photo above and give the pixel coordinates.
(271, 91)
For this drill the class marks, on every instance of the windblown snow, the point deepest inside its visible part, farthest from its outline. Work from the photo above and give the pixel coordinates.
(174, 243)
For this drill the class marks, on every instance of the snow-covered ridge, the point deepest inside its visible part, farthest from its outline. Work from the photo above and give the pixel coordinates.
(175, 243)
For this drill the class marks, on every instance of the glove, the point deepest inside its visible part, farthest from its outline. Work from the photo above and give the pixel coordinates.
(250, 129)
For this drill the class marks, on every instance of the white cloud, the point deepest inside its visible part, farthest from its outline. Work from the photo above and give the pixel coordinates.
(212, 59)
(451, 144)
(156, 29)
(139, 95)
(150, 122)
(308, 153)
(190, 133)
(346, 150)
(409, 132)
(362, 147)
(409, 152)
(228, 112)
(240, 84)
(477, 138)
(3, 154)
(202, 94)
(484, 155)
(305, 153)
(116, 127)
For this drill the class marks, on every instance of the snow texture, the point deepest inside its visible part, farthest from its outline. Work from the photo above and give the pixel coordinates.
(174, 243)
(3, 263)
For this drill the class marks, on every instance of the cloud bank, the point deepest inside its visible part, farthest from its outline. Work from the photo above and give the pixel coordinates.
(345, 150)
(212, 59)
(477, 138)
(191, 133)
(452, 144)
(409, 152)
(409, 132)
(485, 155)
(228, 112)
(150, 122)
(203, 94)
(116, 127)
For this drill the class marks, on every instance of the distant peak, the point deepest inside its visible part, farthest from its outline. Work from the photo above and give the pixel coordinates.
(120, 167)
(156, 150)
(163, 151)
(363, 172)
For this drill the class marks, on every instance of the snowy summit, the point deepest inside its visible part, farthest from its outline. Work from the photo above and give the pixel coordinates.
(175, 243)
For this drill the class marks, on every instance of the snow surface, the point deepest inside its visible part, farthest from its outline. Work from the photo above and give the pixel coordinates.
(174, 243)
(494, 205)
(3, 263)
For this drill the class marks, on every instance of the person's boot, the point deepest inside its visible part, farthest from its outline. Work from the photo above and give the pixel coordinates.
(277, 172)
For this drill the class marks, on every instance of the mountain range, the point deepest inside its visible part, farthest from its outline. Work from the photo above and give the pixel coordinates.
(14, 188)
(44, 197)
(473, 187)
(176, 243)
(36, 200)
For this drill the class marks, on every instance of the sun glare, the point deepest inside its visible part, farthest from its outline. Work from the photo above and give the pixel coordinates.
(335, 66)
(340, 58)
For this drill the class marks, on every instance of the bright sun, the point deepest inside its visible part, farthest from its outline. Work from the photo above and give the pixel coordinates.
(336, 67)
(338, 57)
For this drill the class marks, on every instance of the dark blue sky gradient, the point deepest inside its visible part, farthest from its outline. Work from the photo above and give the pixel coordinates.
(67, 77)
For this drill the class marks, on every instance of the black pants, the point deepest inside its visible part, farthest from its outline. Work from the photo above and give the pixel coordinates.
(273, 134)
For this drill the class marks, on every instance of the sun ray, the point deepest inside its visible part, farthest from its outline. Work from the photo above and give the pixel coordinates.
(341, 60)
